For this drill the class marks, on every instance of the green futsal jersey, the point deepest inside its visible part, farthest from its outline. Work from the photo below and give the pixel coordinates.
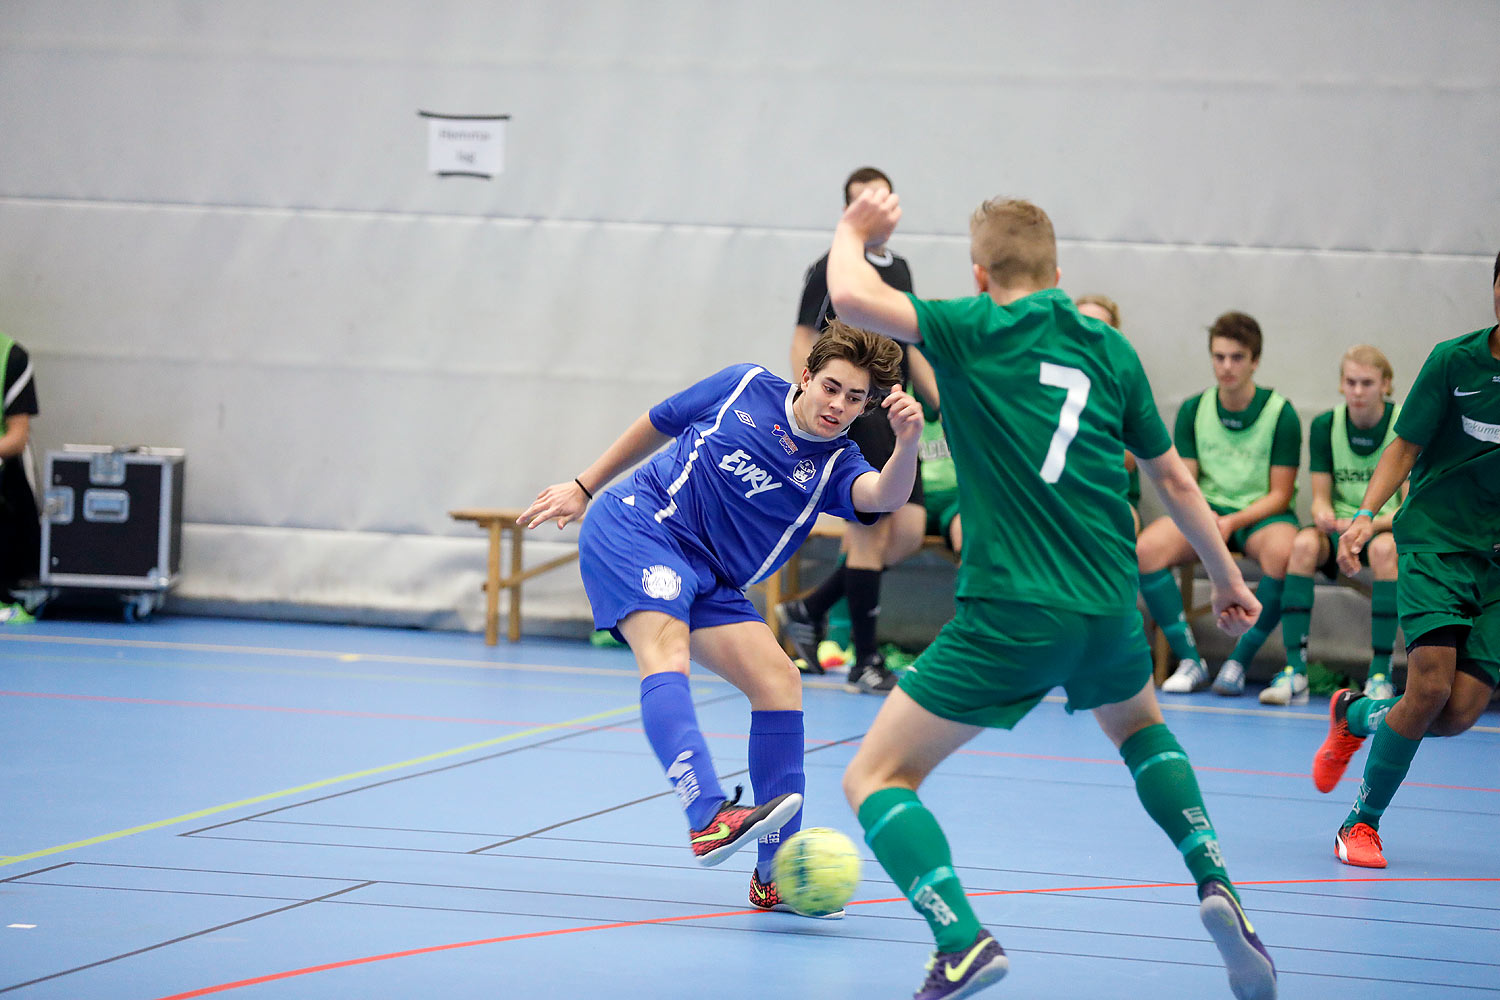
(1039, 402)
(1453, 414)
(1348, 455)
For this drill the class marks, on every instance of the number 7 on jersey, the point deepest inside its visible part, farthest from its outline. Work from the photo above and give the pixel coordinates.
(1077, 384)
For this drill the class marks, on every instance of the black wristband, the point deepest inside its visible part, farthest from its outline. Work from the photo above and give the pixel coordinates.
(583, 487)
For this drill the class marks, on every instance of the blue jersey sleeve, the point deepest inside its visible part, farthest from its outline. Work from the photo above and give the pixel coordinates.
(838, 497)
(676, 413)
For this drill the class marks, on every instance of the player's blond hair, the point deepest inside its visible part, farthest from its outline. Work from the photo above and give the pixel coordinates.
(1374, 357)
(1014, 242)
(879, 356)
(1103, 302)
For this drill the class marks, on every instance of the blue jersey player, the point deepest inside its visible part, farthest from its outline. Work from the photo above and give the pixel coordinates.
(750, 461)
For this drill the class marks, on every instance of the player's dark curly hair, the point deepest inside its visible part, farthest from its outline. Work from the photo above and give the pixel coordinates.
(880, 356)
(1240, 328)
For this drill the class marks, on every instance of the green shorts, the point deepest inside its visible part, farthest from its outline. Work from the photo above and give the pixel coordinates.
(1238, 538)
(939, 518)
(996, 659)
(1435, 589)
(1330, 566)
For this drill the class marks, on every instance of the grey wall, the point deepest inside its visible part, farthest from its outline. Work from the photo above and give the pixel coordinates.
(217, 232)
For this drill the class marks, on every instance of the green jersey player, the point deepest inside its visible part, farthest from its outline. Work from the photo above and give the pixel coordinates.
(1448, 593)
(1039, 404)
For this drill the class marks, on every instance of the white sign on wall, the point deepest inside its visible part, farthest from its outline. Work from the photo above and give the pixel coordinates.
(465, 145)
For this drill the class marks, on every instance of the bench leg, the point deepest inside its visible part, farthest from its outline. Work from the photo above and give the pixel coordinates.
(513, 632)
(492, 588)
(773, 598)
(1161, 655)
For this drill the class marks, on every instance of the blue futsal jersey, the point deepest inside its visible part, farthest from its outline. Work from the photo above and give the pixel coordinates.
(742, 485)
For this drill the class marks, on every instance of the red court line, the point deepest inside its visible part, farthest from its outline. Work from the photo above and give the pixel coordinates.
(368, 959)
(1116, 762)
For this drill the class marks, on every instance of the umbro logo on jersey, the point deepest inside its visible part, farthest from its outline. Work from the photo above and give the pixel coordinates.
(745, 418)
(787, 444)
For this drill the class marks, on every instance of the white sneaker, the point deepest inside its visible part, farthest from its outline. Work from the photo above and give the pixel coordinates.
(1286, 688)
(1231, 679)
(1379, 686)
(1189, 677)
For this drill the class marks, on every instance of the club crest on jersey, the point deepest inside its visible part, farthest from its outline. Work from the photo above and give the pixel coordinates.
(661, 582)
(745, 418)
(803, 473)
(784, 439)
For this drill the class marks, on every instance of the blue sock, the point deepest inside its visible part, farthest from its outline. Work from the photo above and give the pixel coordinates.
(672, 728)
(775, 769)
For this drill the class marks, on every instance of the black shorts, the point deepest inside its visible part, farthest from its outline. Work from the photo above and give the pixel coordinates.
(872, 432)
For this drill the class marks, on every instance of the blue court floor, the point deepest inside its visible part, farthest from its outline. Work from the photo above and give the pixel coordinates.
(198, 807)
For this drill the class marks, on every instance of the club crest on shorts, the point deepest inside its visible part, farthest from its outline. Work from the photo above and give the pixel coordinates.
(661, 582)
(803, 473)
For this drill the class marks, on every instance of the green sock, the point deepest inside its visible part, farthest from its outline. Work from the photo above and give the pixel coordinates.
(1366, 714)
(1382, 625)
(1390, 756)
(1296, 620)
(1168, 789)
(1164, 601)
(910, 846)
(1269, 592)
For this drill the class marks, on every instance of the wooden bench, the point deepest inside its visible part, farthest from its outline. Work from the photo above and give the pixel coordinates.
(1187, 575)
(497, 521)
(787, 581)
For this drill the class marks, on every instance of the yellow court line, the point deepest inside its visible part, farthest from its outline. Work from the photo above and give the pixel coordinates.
(186, 817)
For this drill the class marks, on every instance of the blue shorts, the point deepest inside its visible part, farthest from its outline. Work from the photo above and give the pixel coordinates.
(630, 562)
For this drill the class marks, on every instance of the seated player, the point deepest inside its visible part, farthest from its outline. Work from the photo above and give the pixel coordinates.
(940, 484)
(666, 554)
(1343, 446)
(20, 523)
(1243, 443)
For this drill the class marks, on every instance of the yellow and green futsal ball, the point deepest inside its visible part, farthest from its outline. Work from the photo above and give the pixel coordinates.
(816, 870)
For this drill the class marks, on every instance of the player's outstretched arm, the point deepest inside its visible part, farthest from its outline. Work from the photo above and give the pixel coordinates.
(1235, 607)
(1391, 471)
(566, 501)
(854, 287)
(886, 490)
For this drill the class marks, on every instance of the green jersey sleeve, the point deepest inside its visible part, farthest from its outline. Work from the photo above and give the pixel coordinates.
(1422, 412)
(1186, 437)
(940, 322)
(1286, 447)
(1144, 433)
(1320, 443)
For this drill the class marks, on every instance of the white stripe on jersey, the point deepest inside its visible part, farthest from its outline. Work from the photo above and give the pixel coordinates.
(687, 467)
(21, 383)
(812, 505)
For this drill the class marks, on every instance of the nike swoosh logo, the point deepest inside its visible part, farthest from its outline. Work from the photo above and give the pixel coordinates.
(714, 836)
(957, 972)
(1460, 392)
